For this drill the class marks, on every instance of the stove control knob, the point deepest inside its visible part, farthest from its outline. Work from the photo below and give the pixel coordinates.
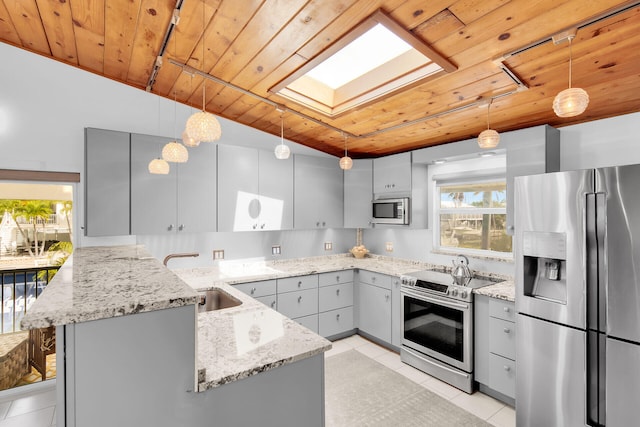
(463, 294)
(454, 292)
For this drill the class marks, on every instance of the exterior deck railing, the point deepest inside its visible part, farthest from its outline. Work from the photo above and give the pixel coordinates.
(20, 288)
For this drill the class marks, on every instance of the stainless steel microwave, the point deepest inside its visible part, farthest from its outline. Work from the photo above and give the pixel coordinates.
(391, 211)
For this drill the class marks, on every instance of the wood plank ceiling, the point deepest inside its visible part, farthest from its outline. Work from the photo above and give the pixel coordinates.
(254, 44)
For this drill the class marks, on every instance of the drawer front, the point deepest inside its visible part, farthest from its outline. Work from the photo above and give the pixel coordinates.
(502, 338)
(335, 277)
(377, 279)
(309, 322)
(270, 301)
(502, 374)
(298, 283)
(298, 304)
(336, 296)
(502, 309)
(335, 321)
(257, 289)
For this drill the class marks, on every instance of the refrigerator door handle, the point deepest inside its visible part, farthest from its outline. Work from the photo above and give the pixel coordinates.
(595, 281)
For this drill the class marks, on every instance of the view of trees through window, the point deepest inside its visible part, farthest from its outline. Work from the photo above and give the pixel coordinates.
(473, 216)
(35, 240)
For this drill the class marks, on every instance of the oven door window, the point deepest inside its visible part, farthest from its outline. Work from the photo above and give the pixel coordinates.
(436, 327)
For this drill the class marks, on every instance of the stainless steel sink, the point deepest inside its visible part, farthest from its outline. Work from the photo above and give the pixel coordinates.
(217, 299)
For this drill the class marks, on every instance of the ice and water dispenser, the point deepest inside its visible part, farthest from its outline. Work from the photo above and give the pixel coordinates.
(545, 266)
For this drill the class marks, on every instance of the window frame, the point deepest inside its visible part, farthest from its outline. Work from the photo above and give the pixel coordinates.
(462, 178)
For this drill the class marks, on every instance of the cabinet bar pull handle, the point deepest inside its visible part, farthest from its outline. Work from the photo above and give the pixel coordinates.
(299, 299)
(273, 304)
(338, 316)
(506, 368)
(506, 309)
(506, 330)
(253, 291)
(337, 291)
(299, 283)
(170, 227)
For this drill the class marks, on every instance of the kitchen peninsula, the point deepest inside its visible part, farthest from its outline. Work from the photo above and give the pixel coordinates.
(133, 348)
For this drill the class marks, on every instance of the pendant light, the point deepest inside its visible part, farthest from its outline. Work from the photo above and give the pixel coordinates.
(345, 163)
(203, 126)
(488, 138)
(173, 151)
(282, 151)
(159, 167)
(573, 101)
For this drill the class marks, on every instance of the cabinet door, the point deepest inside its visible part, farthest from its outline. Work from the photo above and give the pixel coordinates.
(374, 314)
(298, 304)
(153, 197)
(481, 355)
(392, 174)
(276, 192)
(396, 315)
(196, 196)
(358, 193)
(238, 192)
(106, 183)
(335, 321)
(318, 193)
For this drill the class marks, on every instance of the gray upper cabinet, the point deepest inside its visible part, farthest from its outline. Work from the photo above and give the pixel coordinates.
(255, 191)
(392, 174)
(530, 151)
(358, 192)
(318, 192)
(182, 201)
(106, 183)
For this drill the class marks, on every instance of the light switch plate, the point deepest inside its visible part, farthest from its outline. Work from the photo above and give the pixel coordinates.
(275, 250)
(328, 246)
(389, 246)
(218, 254)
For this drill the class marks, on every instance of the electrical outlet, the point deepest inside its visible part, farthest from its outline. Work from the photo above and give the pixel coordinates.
(218, 254)
(275, 250)
(389, 246)
(328, 246)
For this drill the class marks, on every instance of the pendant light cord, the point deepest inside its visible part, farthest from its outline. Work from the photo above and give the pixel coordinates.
(488, 112)
(281, 130)
(570, 59)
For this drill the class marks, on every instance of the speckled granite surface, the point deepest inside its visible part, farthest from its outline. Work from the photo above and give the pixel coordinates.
(241, 341)
(505, 290)
(103, 282)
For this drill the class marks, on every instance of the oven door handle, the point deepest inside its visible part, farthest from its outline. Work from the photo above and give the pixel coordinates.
(435, 300)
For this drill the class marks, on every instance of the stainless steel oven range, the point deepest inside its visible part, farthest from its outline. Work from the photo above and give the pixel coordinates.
(437, 326)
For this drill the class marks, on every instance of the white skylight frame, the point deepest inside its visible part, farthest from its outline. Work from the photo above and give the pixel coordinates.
(412, 64)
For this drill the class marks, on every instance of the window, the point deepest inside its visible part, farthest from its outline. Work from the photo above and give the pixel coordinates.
(471, 215)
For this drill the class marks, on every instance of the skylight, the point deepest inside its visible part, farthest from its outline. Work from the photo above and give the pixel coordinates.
(374, 60)
(374, 48)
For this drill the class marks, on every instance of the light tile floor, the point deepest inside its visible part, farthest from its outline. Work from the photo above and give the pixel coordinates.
(489, 409)
(36, 406)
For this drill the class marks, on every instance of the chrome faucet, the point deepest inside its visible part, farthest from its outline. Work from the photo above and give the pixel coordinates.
(183, 255)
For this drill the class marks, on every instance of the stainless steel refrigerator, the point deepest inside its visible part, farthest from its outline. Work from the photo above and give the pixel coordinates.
(577, 251)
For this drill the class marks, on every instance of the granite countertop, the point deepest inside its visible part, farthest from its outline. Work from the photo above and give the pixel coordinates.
(504, 290)
(104, 282)
(248, 339)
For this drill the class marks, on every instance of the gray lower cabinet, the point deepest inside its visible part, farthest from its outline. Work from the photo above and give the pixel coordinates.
(321, 302)
(495, 349)
(298, 299)
(263, 291)
(106, 183)
(396, 313)
(335, 303)
(375, 305)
